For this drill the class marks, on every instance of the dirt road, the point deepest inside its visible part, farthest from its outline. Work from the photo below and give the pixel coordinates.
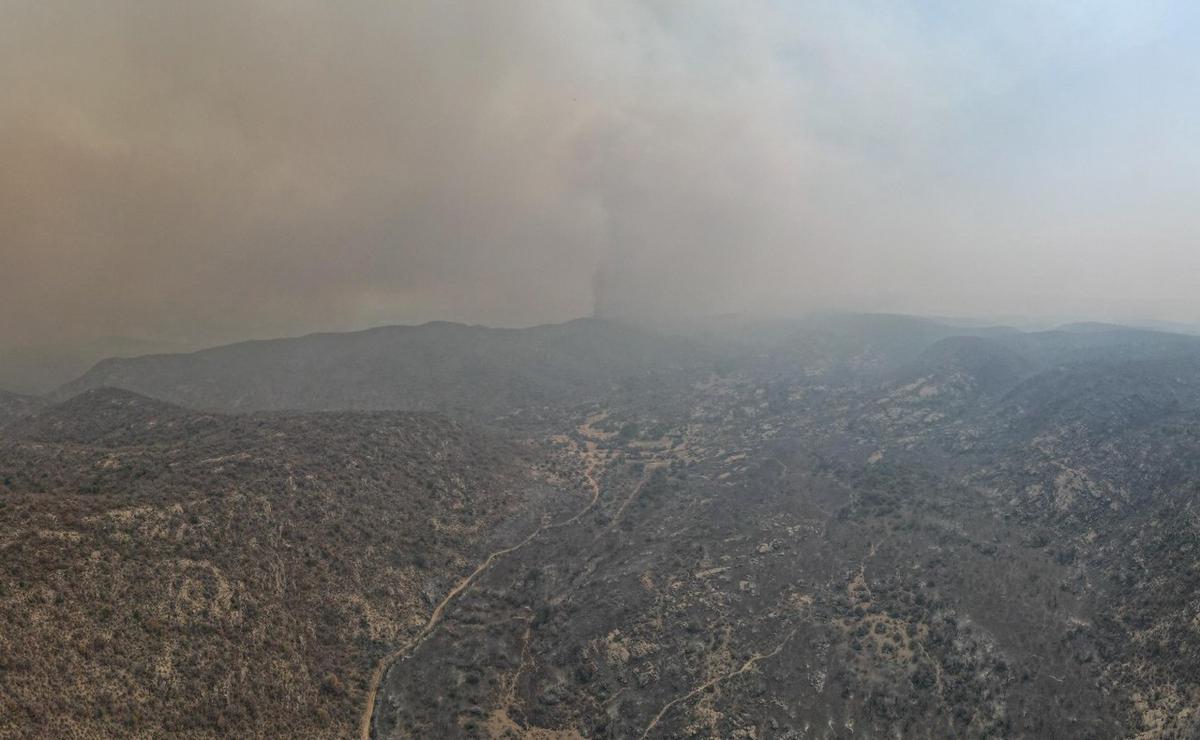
(593, 461)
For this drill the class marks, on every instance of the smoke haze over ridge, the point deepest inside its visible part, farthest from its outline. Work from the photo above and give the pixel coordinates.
(212, 171)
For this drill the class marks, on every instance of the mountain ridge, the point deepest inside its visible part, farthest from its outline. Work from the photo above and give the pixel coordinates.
(433, 366)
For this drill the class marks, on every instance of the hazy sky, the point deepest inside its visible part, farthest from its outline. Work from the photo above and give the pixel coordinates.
(228, 168)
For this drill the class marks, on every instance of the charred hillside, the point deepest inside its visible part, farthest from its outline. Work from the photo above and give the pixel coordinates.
(876, 526)
(172, 573)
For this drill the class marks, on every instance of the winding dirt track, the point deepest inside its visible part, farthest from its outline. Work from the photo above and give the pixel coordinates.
(435, 618)
(748, 665)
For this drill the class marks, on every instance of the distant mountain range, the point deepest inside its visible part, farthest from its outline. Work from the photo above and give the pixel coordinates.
(486, 372)
(440, 365)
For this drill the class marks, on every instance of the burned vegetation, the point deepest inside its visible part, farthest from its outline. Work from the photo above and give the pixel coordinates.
(168, 573)
(854, 527)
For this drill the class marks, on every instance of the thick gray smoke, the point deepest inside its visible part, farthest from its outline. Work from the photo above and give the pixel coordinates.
(201, 171)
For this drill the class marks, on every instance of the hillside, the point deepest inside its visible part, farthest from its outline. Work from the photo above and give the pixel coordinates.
(869, 526)
(958, 537)
(192, 575)
(13, 406)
